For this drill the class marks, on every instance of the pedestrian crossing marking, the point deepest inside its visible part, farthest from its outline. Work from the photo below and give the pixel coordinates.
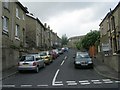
(70, 83)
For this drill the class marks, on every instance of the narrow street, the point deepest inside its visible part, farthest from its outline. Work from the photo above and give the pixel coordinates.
(60, 74)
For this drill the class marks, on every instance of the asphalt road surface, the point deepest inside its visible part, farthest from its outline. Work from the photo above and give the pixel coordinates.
(60, 74)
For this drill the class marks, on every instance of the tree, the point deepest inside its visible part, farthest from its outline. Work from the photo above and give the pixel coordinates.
(89, 40)
(64, 40)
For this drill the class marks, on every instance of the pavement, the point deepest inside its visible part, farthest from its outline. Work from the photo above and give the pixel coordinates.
(9, 72)
(99, 67)
(105, 70)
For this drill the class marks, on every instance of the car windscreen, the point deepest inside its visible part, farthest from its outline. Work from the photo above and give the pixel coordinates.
(82, 57)
(27, 58)
(43, 54)
(59, 49)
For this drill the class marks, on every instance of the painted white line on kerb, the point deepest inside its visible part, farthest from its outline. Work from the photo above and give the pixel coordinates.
(42, 85)
(54, 79)
(62, 62)
(8, 85)
(26, 85)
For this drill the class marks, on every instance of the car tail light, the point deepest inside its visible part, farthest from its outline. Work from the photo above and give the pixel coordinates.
(34, 64)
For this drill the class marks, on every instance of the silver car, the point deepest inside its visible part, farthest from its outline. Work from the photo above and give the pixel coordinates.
(30, 62)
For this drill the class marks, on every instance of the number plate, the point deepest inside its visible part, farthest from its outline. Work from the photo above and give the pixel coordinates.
(84, 64)
(25, 64)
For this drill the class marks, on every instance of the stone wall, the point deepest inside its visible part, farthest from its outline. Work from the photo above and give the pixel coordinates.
(113, 61)
(9, 58)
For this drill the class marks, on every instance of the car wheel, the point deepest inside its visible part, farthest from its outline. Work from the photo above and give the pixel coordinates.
(75, 67)
(51, 61)
(37, 69)
(48, 62)
(20, 71)
(91, 67)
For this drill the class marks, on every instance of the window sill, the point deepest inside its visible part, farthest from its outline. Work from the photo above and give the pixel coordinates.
(18, 17)
(5, 32)
(17, 38)
(7, 8)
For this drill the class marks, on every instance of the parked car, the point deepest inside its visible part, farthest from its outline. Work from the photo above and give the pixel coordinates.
(54, 54)
(82, 59)
(30, 62)
(66, 49)
(60, 51)
(56, 51)
(46, 56)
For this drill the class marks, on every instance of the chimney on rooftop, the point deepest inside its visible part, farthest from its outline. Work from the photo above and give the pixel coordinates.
(45, 24)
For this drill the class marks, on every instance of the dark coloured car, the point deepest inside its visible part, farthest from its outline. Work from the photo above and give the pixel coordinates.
(83, 60)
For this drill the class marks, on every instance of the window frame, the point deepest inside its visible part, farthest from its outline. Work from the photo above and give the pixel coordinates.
(23, 16)
(6, 4)
(17, 13)
(5, 24)
(17, 29)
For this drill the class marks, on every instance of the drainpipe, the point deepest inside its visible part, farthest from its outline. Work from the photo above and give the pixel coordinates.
(113, 28)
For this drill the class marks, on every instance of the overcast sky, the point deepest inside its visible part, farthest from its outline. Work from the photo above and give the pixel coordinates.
(70, 18)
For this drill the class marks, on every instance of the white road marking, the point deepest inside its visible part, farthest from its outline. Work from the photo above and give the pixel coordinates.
(117, 81)
(65, 57)
(26, 85)
(72, 84)
(42, 85)
(106, 79)
(85, 83)
(109, 82)
(62, 62)
(8, 86)
(95, 80)
(58, 82)
(54, 80)
(70, 81)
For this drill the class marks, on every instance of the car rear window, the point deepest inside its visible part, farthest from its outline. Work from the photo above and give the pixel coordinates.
(43, 54)
(27, 58)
